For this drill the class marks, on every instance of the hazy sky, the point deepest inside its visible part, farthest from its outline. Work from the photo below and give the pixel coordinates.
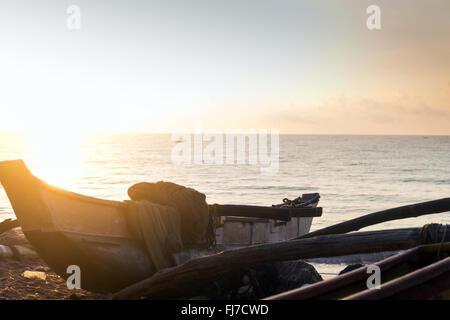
(158, 66)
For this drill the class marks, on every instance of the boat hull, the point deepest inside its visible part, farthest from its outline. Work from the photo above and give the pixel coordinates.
(242, 231)
(106, 265)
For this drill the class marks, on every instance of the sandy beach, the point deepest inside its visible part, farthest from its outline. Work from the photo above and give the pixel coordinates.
(14, 286)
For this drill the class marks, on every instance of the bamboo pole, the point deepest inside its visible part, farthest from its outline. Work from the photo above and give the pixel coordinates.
(322, 246)
(409, 211)
(283, 214)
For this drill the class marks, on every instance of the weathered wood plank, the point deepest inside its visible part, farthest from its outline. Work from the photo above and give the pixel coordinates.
(283, 214)
(409, 211)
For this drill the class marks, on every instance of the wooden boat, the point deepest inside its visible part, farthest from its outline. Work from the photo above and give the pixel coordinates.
(67, 228)
(242, 231)
(419, 273)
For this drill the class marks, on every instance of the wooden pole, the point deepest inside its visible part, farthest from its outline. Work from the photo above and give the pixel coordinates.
(409, 211)
(322, 246)
(283, 214)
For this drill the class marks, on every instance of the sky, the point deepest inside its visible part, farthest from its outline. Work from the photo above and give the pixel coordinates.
(307, 67)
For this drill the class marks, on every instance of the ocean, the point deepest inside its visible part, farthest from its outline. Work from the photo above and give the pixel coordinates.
(355, 175)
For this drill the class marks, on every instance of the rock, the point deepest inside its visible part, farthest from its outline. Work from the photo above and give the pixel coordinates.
(249, 284)
(295, 274)
(265, 280)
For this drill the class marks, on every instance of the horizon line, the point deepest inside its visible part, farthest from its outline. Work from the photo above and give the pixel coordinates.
(223, 132)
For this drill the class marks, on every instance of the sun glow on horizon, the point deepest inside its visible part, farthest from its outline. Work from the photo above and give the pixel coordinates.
(55, 157)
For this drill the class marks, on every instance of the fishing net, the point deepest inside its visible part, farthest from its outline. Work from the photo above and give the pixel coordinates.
(195, 220)
(158, 227)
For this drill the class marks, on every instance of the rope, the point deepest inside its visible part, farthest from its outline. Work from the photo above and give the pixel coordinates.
(442, 241)
(297, 202)
(210, 235)
(158, 227)
(429, 233)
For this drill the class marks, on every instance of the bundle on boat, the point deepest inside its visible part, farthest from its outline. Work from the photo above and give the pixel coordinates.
(167, 217)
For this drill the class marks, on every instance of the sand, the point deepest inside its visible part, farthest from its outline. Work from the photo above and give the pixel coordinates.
(13, 285)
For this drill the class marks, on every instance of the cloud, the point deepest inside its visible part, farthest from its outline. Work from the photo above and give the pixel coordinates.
(363, 115)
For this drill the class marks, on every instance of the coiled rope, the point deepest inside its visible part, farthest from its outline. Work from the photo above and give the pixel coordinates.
(429, 234)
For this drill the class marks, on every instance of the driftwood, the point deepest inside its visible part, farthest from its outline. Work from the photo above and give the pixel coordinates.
(8, 224)
(409, 211)
(322, 246)
(283, 214)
